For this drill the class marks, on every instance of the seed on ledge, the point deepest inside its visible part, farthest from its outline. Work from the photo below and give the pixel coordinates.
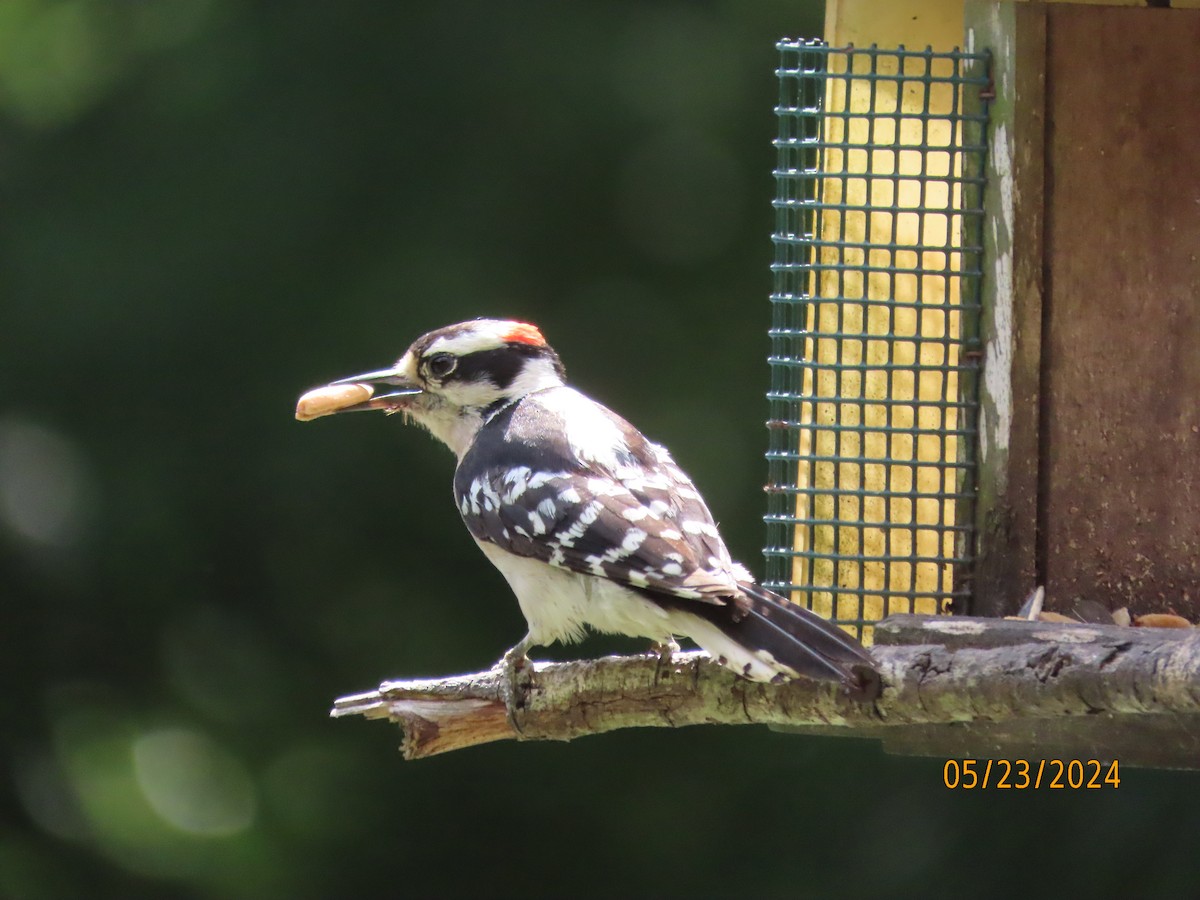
(1161, 620)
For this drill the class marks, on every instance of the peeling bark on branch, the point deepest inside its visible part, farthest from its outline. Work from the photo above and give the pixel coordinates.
(1008, 687)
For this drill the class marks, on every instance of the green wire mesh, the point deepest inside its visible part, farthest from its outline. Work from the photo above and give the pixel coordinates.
(874, 339)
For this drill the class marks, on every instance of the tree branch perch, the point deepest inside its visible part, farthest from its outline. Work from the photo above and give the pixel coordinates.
(1013, 687)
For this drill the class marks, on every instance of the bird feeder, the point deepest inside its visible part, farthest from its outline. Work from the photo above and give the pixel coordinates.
(985, 346)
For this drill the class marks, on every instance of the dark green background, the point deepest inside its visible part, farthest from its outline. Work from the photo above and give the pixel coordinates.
(208, 207)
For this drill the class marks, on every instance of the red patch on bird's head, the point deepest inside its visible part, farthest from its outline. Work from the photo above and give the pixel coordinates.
(522, 333)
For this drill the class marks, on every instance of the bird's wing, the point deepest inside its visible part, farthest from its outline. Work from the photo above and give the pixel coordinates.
(629, 533)
(637, 520)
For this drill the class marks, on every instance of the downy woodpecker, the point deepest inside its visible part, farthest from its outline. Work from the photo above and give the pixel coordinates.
(592, 525)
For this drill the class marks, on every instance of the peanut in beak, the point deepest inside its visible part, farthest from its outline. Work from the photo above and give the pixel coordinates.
(324, 401)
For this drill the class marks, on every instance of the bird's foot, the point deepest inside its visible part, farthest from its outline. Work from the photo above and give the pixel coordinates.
(664, 651)
(516, 682)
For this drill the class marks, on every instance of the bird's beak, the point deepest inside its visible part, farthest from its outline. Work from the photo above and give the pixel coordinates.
(383, 376)
(357, 394)
(403, 387)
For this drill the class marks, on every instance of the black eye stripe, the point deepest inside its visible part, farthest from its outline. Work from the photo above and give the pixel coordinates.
(501, 365)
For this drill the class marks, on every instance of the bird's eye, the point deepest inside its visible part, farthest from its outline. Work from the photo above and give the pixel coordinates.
(441, 364)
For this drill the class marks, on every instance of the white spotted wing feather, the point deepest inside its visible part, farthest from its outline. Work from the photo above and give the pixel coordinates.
(602, 501)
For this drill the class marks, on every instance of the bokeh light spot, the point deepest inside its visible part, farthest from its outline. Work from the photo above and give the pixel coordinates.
(45, 487)
(193, 783)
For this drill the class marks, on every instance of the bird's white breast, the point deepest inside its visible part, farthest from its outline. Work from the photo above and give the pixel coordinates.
(558, 604)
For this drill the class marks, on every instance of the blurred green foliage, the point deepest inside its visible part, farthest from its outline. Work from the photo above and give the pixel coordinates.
(212, 205)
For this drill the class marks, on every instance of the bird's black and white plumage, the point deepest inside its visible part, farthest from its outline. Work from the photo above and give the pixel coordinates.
(592, 525)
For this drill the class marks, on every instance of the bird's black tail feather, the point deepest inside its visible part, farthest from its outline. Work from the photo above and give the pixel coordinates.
(771, 628)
